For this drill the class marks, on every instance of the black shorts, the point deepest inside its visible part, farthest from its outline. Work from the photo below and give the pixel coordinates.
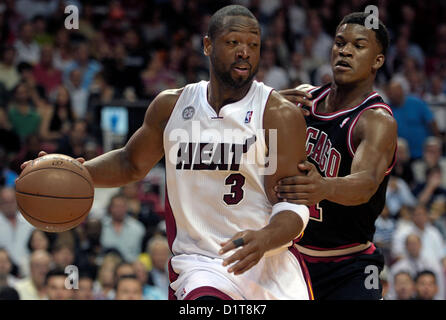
(354, 278)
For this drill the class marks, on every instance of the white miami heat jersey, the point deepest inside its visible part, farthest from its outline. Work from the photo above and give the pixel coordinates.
(214, 169)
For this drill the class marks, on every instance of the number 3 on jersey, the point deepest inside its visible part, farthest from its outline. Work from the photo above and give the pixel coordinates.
(316, 212)
(236, 181)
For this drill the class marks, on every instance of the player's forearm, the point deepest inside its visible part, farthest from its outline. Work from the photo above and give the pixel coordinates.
(351, 190)
(283, 228)
(112, 169)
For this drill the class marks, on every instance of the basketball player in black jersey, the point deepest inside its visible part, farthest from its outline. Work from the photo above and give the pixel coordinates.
(351, 143)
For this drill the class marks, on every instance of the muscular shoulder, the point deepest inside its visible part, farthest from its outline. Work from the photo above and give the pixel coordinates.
(375, 121)
(162, 106)
(281, 113)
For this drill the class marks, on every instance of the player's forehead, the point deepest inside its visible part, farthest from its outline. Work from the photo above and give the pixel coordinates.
(354, 32)
(240, 24)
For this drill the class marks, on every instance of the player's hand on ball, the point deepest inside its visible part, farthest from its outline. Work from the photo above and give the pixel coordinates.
(298, 96)
(307, 190)
(41, 154)
(252, 248)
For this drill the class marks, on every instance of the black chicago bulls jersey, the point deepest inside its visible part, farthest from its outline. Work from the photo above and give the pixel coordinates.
(330, 148)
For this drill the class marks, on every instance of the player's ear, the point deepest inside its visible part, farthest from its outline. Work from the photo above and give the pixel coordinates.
(207, 45)
(379, 61)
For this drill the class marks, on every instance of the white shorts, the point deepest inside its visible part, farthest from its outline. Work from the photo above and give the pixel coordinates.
(282, 276)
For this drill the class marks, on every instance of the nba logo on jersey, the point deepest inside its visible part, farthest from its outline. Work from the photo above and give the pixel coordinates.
(248, 116)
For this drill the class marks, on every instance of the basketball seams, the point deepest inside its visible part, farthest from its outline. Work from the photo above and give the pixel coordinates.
(55, 197)
(53, 223)
(66, 169)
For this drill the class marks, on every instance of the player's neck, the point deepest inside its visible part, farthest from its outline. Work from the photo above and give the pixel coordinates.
(219, 94)
(347, 96)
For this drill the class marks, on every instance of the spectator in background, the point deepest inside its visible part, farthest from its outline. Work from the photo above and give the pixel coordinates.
(41, 34)
(436, 99)
(38, 240)
(296, 72)
(6, 278)
(431, 190)
(414, 262)
(274, 75)
(33, 287)
(120, 231)
(63, 254)
(14, 229)
(398, 194)
(9, 76)
(85, 291)
(7, 176)
(57, 119)
(385, 226)
(149, 292)
(128, 287)
(45, 73)
(432, 157)
(426, 286)
(322, 41)
(28, 49)
(62, 56)
(158, 249)
(403, 167)
(431, 239)
(103, 287)
(73, 143)
(404, 286)
(55, 288)
(8, 293)
(414, 118)
(156, 77)
(88, 67)
(24, 118)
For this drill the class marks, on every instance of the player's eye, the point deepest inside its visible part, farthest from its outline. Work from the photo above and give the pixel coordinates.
(232, 42)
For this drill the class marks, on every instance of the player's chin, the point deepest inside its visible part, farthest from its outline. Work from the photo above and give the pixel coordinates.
(343, 78)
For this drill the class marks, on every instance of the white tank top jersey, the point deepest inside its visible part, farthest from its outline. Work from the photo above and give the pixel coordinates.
(214, 181)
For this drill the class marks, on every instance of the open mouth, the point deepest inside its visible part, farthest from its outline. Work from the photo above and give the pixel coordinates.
(343, 64)
(242, 69)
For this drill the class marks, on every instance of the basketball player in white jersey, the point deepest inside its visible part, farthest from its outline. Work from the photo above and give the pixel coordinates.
(229, 235)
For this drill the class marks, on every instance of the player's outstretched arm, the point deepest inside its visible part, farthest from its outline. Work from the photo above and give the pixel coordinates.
(285, 225)
(143, 150)
(375, 135)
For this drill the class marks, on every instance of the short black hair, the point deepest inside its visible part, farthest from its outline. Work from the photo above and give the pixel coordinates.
(382, 34)
(425, 273)
(216, 21)
(57, 272)
(125, 277)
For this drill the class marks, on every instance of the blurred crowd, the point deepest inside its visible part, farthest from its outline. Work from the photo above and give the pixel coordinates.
(54, 79)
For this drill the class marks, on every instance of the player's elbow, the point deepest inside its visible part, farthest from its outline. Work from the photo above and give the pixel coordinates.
(368, 191)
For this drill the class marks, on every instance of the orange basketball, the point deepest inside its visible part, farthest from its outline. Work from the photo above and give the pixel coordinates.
(55, 193)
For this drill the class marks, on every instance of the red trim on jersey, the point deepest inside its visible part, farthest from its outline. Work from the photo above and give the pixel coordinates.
(334, 248)
(303, 267)
(311, 259)
(207, 291)
(171, 227)
(350, 145)
(333, 115)
(173, 276)
(309, 91)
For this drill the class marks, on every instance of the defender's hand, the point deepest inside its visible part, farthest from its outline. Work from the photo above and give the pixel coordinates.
(296, 97)
(307, 190)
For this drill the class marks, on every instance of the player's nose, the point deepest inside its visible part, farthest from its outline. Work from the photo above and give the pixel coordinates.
(242, 52)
